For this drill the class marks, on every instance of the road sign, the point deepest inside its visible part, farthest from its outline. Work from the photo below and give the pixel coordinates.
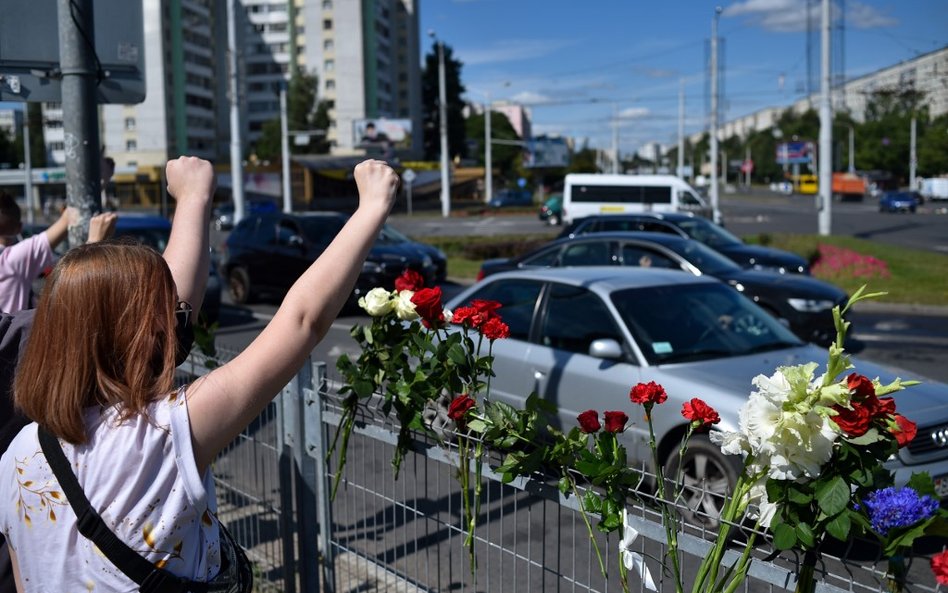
(408, 175)
(29, 51)
(747, 166)
(797, 152)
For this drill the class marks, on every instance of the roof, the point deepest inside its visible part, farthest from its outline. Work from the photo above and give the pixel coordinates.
(607, 278)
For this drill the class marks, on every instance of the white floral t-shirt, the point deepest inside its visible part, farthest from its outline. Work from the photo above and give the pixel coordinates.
(141, 478)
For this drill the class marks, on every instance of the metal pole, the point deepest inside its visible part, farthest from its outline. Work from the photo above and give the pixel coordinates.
(714, 116)
(80, 115)
(27, 168)
(285, 152)
(488, 154)
(852, 150)
(615, 141)
(826, 129)
(236, 156)
(913, 157)
(681, 128)
(443, 114)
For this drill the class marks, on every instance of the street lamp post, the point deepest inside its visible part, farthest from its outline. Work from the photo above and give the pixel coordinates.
(443, 125)
(488, 155)
(715, 208)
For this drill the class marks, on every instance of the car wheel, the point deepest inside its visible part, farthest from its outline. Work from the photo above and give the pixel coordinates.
(553, 220)
(238, 283)
(707, 477)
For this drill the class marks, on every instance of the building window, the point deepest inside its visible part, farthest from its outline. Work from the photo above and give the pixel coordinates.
(57, 146)
(327, 24)
(131, 145)
(327, 4)
(330, 84)
(329, 65)
(129, 123)
(328, 44)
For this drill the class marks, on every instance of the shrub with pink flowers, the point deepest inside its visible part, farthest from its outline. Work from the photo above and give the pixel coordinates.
(835, 261)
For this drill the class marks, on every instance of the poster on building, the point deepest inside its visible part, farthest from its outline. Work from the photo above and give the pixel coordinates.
(545, 152)
(382, 134)
(797, 152)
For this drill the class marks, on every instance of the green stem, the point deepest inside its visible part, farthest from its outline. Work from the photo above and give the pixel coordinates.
(623, 574)
(345, 427)
(669, 520)
(806, 583)
(592, 536)
(895, 578)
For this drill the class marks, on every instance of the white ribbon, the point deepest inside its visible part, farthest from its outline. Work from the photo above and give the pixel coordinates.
(631, 559)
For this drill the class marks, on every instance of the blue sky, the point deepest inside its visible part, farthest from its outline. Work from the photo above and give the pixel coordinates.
(576, 63)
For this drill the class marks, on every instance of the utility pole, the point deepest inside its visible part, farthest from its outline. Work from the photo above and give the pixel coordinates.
(80, 115)
(27, 169)
(615, 141)
(285, 151)
(715, 205)
(852, 151)
(681, 128)
(236, 148)
(443, 125)
(488, 155)
(913, 157)
(826, 129)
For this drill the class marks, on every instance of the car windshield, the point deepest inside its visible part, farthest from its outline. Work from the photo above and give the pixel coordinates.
(391, 236)
(707, 260)
(156, 238)
(673, 324)
(707, 232)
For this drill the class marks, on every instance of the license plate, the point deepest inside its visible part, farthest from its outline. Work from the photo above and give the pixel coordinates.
(941, 486)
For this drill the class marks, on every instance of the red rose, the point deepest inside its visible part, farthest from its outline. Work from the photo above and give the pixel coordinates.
(615, 421)
(854, 422)
(860, 387)
(940, 567)
(886, 407)
(495, 329)
(409, 280)
(589, 421)
(427, 303)
(459, 407)
(648, 393)
(488, 308)
(465, 315)
(698, 411)
(905, 432)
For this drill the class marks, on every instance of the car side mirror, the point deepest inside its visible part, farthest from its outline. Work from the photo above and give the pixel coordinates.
(606, 348)
(296, 241)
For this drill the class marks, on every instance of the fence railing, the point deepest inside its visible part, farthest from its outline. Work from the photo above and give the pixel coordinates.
(384, 532)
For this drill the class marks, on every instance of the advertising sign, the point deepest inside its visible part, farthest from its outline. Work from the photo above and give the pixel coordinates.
(381, 134)
(546, 152)
(797, 152)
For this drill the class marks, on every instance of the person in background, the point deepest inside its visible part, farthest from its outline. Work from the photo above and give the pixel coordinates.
(21, 261)
(191, 185)
(141, 450)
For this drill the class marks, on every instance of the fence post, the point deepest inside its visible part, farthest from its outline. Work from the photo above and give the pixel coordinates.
(316, 446)
(288, 425)
(305, 480)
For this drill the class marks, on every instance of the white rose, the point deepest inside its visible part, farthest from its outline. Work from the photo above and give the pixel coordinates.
(404, 308)
(377, 302)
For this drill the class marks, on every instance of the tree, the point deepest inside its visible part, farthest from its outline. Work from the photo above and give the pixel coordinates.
(932, 147)
(457, 138)
(303, 112)
(883, 140)
(504, 157)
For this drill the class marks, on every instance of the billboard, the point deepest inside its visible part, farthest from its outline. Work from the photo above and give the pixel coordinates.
(545, 152)
(797, 152)
(382, 134)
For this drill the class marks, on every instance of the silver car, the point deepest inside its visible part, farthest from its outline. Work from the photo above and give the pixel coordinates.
(582, 337)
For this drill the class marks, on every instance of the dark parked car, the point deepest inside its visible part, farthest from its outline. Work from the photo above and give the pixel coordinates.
(804, 303)
(223, 215)
(266, 253)
(898, 201)
(511, 197)
(754, 257)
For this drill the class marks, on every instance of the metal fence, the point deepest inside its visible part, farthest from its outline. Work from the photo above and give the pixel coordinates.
(405, 533)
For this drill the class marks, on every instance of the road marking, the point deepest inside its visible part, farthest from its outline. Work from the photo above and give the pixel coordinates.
(903, 339)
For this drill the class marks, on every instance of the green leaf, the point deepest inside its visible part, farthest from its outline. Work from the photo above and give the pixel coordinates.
(563, 485)
(477, 425)
(367, 332)
(833, 496)
(798, 496)
(363, 388)
(805, 535)
(839, 527)
(592, 502)
(923, 484)
(457, 354)
(872, 436)
(785, 537)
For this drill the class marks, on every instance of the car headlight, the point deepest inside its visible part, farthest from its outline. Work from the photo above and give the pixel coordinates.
(811, 305)
(371, 267)
(426, 261)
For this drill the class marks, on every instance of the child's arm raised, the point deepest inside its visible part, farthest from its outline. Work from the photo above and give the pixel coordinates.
(224, 402)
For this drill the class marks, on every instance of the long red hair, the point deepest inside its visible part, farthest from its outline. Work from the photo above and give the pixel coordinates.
(104, 334)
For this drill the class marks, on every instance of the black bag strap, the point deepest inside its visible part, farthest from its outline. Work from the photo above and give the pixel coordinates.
(150, 578)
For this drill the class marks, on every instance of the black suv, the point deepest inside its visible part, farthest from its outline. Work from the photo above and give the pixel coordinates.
(689, 226)
(266, 253)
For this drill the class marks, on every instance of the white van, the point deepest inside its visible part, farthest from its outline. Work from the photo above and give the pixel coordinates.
(585, 194)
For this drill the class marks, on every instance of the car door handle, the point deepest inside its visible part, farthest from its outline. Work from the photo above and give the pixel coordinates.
(538, 375)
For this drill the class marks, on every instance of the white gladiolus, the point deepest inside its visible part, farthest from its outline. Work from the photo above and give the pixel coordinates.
(377, 302)
(404, 308)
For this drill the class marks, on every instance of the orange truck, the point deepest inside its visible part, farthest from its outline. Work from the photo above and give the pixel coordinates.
(847, 186)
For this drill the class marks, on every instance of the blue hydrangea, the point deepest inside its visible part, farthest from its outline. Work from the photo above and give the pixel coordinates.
(890, 508)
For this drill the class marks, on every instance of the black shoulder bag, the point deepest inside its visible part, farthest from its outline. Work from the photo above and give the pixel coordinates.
(235, 575)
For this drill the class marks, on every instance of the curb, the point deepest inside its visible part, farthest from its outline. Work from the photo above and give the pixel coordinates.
(901, 309)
